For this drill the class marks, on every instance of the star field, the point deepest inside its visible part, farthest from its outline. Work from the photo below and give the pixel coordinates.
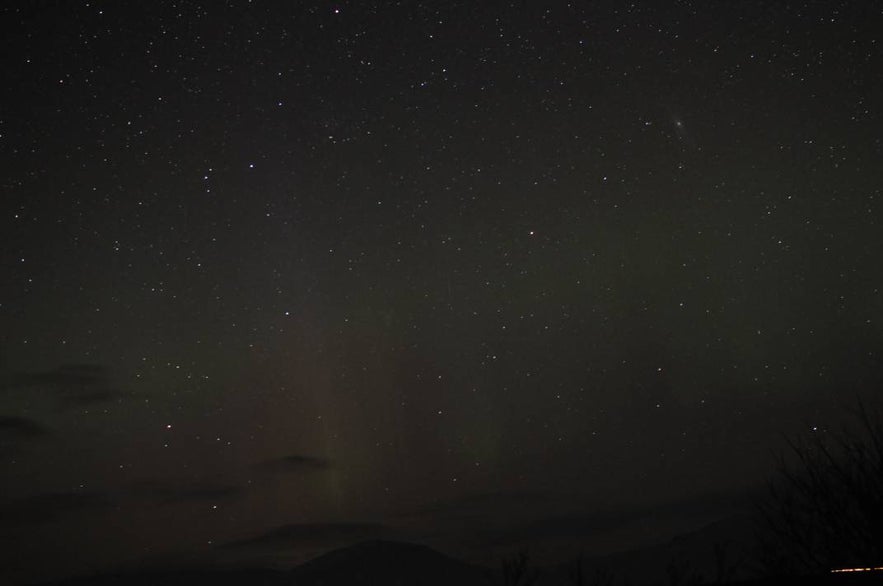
(354, 263)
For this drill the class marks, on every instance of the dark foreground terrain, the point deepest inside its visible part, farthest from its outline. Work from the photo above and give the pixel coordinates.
(390, 563)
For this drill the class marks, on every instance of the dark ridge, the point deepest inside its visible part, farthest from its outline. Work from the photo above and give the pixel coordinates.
(387, 562)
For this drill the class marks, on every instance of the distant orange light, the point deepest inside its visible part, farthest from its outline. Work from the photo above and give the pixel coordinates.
(877, 569)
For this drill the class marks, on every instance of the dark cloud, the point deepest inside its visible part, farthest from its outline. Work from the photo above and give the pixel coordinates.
(67, 375)
(86, 398)
(168, 493)
(46, 507)
(20, 428)
(73, 385)
(481, 504)
(313, 535)
(295, 463)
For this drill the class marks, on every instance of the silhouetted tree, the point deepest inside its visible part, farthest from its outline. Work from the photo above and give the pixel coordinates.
(725, 564)
(602, 576)
(577, 577)
(681, 573)
(825, 508)
(516, 571)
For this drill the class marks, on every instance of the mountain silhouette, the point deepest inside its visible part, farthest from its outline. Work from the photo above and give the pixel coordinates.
(387, 563)
(368, 563)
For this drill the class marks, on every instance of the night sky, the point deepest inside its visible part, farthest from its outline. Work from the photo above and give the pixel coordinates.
(282, 276)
